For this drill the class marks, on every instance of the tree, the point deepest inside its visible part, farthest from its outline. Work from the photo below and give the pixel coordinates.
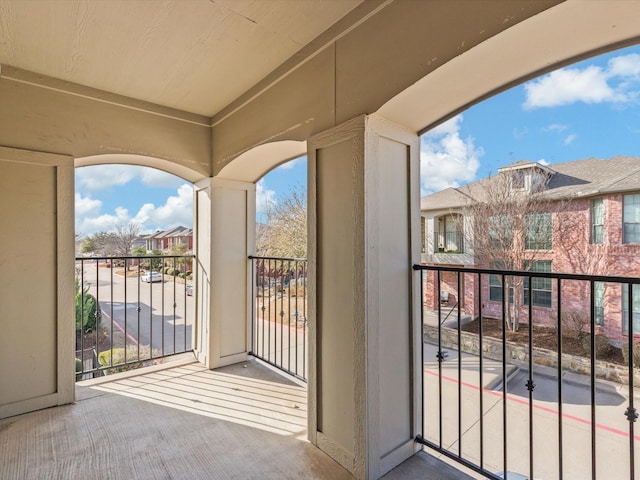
(100, 243)
(124, 237)
(512, 224)
(284, 234)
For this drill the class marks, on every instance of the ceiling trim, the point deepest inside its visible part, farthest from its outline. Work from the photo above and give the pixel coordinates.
(62, 86)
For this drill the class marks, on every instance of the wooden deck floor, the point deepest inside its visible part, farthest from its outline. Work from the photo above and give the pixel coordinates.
(185, 422)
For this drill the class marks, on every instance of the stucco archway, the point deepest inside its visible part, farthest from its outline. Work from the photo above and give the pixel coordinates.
(252, 165)
(524, 51)
(173, 168)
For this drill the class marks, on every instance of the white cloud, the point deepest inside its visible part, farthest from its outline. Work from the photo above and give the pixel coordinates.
(569, 139)
(542, 161)
(86, 205)
(519, 133)
(625, 65)
(101, 223)
(177, 210)
(264, 196)
(591, 84)
(101, 177)
(555, 127)
(447, 160)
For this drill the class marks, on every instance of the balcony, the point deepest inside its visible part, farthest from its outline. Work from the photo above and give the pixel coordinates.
(448, 242)
(489, 405)
(535, 401)
(181, 421)
(131, 312)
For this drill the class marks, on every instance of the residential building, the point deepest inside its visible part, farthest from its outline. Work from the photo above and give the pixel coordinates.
(219, 93)
(588, 222)
(164, 240)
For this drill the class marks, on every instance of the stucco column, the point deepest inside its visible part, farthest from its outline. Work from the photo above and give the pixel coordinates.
(224, 238)
(364, 236)
(37, 328)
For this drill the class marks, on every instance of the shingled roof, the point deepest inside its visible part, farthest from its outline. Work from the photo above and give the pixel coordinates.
(578, 179)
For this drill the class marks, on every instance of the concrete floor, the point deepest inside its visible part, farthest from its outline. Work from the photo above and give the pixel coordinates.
(184, 422)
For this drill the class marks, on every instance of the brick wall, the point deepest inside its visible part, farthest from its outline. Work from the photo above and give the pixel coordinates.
(572, 252)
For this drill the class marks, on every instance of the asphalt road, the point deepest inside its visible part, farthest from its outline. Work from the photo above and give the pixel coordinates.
(157, 314)
(462, 420)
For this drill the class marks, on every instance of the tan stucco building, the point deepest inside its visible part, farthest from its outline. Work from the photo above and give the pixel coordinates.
(221, 92)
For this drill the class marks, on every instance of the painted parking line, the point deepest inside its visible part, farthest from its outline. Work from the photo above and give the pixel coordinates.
(119, 327)
(568, 416)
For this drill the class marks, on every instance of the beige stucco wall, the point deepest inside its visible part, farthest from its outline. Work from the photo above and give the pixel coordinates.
(44, 114)
(36, 285)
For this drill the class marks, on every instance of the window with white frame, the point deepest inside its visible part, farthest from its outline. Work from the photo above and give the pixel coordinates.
(540, 287)
(598, 302)
(631, 219)
(635, 301)
(495, 284)
(538, 236)
(597, 221)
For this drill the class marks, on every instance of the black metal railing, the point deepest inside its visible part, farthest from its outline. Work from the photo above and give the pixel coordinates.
(448, 242)
(505, 403)
(279, 326)
(131, 312)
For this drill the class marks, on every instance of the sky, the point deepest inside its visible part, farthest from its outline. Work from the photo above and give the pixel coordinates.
(588, 109)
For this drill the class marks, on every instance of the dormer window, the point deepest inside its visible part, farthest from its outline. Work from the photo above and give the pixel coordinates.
(527, 176)
(518, 180)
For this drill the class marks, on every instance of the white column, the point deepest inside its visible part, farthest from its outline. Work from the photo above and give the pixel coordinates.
(224, 238)
(364, 236)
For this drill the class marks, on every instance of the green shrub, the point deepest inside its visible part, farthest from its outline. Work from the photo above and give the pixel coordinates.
(189, 277)
(171, 271)
(88, 312)
(181, 275)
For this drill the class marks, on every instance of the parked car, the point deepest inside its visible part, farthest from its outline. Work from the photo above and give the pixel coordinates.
(190, 290)
(150, 277)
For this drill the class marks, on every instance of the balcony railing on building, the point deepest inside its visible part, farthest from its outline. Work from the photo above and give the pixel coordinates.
(279, 326)
(496, 401)
(448, 242)
(131, 312)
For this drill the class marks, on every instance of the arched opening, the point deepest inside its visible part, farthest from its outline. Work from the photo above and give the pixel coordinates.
(134, 265)
(279, 269)
(540, 179)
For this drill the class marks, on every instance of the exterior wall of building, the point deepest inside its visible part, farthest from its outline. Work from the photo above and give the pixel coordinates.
(572, 252)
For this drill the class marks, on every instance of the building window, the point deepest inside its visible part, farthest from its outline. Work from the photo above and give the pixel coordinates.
(538, 232)
(495, 288)
(636, 308)
(500, 232)
(631, 219)
(449, 238)
(540, 287)
(597, 221)
(598, 302)
(495, 284)
(518, 180)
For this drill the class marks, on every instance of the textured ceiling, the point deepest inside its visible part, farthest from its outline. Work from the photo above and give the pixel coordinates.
(193, 55)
